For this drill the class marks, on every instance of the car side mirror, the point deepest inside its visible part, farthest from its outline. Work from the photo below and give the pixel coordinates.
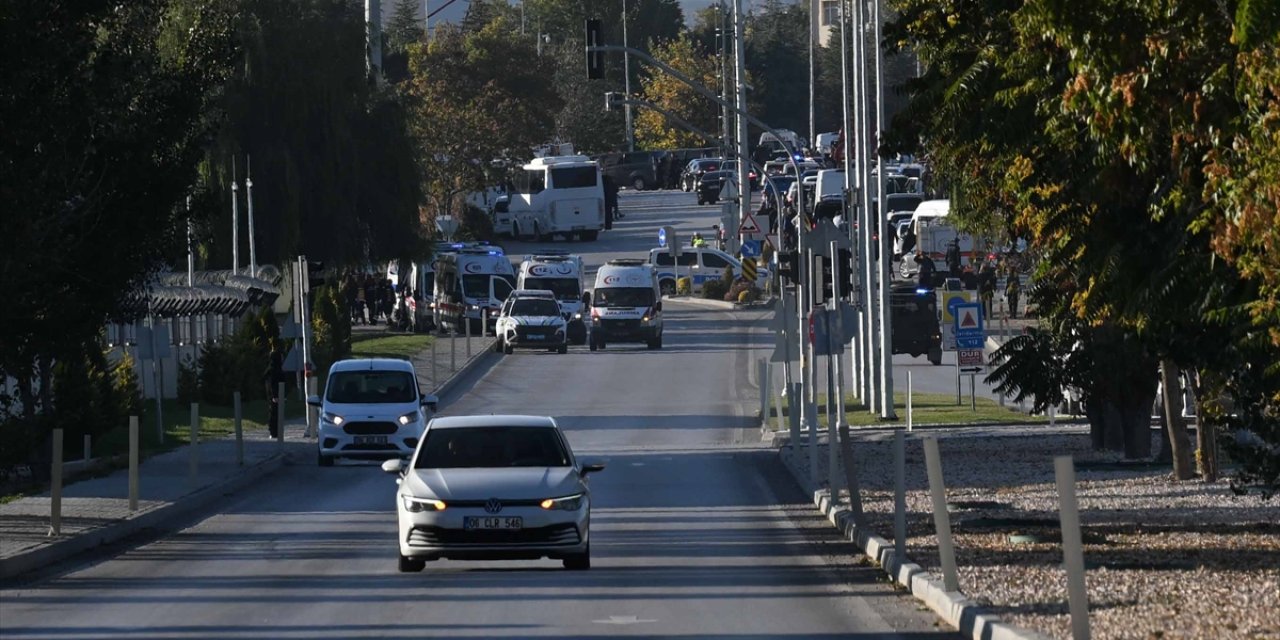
(589, 468)
(430, 401)
(314, 401)
(394, 465)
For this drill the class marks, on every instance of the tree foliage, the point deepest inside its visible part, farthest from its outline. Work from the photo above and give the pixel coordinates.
(653, 131)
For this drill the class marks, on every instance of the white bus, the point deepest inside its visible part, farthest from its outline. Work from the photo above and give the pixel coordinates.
(558, 195)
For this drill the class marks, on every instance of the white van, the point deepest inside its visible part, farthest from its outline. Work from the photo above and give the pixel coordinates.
(561, 274)
(626, 305)
(557, 195)
(471, 284)
(933, 233)
(830, 187)
(699, 264)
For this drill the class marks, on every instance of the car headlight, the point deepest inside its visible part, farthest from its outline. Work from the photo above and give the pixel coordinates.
(645, 320)
(577, 316)
(418, 505)
(567, 503)
(412, 416)
(332, 418)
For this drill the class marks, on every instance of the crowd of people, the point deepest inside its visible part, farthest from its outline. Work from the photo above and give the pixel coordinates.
(369, 300)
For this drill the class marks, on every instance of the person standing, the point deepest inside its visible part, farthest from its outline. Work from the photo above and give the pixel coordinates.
(926, 270)
(987, 287)
(1011, 291)
(953, 257)
(610, 201)
(272, 377)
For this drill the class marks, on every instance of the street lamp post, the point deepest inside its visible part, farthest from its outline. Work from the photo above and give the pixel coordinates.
(626, 71)
(253, 248)
(235, 221)
(886, 346)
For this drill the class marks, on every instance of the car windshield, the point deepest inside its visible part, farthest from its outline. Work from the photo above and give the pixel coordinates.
(624, 297)
(563, 288)
(496, 446)
(371, 387)
(534, 307)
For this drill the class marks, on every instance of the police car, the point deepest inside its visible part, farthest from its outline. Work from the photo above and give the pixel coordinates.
(699, 264)
(531, 319)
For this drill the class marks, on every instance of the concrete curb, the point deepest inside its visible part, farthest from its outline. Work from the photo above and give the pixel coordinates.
(473, 362)
(144, 519)
(953, 607)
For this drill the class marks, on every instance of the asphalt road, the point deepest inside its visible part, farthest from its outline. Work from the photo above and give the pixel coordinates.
(697, 530)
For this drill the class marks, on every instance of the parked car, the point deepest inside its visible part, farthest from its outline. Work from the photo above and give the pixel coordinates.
(637, 169)
(493, 487)
(710, 184)
(694, 171)
(732, 165)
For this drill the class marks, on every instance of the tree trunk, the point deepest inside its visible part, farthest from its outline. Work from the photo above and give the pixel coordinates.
(1206, 447)
(1113, 431)
(1137, 428)
(1179, 442)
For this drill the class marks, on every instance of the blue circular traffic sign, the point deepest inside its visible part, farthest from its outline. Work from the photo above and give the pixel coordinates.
(662, 237)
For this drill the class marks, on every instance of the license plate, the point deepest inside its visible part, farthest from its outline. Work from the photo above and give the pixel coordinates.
(371, 439)
(505, 522)
(535, 336)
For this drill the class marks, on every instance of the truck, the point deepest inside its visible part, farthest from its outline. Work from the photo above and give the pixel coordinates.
(561, 274)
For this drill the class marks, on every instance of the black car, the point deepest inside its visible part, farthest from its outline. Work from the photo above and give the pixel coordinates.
(916, 328)
(710, 184)
(638, 170)
(693, 171)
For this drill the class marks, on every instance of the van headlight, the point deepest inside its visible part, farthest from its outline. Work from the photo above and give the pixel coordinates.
(409, 418)
(332, 418)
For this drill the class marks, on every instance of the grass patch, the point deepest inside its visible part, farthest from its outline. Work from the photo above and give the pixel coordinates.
(402, 346)
(215, 422)
(927, 408)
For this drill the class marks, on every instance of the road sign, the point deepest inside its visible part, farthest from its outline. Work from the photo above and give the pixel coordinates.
(969, 358)
(729, 191)
(668, 238)
(749, 269)
(947, 301)
(662, 237)
(749, 225)
(751, 248)
(969, 329)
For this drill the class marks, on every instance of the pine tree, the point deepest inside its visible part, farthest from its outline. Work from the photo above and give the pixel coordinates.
(404, 27)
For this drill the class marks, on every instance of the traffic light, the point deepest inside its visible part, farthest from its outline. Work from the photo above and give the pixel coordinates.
(845, 273)
(822, 279)
(789, 266)
(315, 273)
(595, 59)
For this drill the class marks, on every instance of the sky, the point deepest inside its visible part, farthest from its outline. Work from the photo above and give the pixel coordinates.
(454, 12)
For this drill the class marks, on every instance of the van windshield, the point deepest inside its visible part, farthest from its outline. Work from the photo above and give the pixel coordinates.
(564, 288)
(365, 387)
(475, 285)
(624, 297)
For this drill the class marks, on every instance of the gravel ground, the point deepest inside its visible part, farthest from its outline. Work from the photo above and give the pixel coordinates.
(1163, 559)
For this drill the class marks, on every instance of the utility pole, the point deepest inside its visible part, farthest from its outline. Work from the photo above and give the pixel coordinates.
(626, 71)
(235, 221)
(886, 328)
(868, 275)
(723, 37)
(744, 155)
(253, 247)
(814, 9)
(850, 204)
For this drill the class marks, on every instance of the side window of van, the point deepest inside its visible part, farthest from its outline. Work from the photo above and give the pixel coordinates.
(713, 261)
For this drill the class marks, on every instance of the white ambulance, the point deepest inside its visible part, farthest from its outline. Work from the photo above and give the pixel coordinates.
(471, 283)
(626, 305)
(561, 274)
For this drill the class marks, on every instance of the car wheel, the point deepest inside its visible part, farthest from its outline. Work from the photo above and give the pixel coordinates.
(935, 355)
(411, 565)
(323, 460)
(579, 562)
(667, 287)
(639, 184)
(655, 343)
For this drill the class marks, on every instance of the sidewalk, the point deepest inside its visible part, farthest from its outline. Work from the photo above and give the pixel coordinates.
(95, 511)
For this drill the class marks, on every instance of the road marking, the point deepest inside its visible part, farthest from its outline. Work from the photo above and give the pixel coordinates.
(623, 620)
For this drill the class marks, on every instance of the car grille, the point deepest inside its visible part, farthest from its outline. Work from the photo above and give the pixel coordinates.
(623, 325)
(566, 534)
(523, 331)
(369, 428)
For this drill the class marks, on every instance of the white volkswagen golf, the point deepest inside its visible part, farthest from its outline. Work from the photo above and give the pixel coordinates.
(493, 488)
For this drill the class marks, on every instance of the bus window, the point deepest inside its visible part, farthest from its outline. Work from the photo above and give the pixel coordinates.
(573, 177)
(530, 181)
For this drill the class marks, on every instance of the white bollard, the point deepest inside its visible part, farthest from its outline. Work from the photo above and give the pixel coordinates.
(1072, 546)
(793, 416)
(850, 475)
(762, 374)
(453, 351)
(280, 415)
(1053, 415)
(435, 379)
(910, 410)
(239, 427)
(941, 519)
(194, 445)
(466, 330)
(313, 413)
(55, 488)
(133, 463)
(900, 495)
(812, 414)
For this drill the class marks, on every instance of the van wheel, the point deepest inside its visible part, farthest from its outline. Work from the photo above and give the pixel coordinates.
(655, 343)
(590, 236)
(667, 287)
(564, 348)
(323, 460)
